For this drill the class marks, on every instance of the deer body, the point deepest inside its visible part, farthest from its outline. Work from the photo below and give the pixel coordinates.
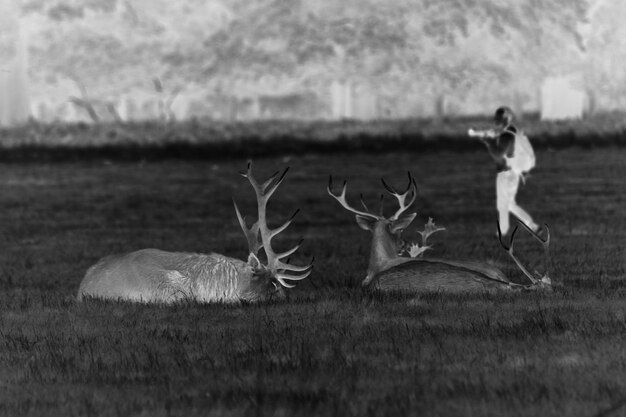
(387, 270)
(440, 275)
(152, 275)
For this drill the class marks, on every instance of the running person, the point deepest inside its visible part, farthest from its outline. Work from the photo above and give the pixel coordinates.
(501, 145)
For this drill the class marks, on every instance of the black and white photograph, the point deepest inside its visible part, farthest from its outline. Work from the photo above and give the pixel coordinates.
(313, 208)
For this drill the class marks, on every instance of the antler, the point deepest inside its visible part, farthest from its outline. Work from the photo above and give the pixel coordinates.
(342, 200)
(252, 233)
(546, 246)
(401, 197)
(278, 268)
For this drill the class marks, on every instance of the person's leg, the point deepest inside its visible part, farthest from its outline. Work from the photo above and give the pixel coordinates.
(523, 215)
(502, 201)
(517, 211)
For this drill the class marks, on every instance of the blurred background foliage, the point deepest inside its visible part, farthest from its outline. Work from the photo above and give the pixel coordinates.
(406, 58)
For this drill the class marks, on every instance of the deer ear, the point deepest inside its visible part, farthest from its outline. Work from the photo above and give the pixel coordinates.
(253, 261)
(365, 223)
(402, 222)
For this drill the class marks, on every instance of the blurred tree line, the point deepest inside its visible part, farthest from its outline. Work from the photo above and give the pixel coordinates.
(408, 52)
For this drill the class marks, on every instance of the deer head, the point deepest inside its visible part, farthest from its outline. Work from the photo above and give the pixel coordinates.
(387, 241)
(536, 280)
(259, 236)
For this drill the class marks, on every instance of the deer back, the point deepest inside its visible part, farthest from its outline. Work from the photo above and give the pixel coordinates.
(424, 274)
(152, 275)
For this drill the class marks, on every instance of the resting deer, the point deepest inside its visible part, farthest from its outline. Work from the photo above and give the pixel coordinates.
(387, 270)
(152, 275)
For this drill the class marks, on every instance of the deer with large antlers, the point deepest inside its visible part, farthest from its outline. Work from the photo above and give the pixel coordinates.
(388, 270)
(152, 275)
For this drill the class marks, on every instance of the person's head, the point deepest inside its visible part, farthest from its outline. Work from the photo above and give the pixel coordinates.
(503, 116)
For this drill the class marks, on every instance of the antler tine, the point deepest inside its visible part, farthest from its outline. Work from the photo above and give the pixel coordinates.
(506, 248)
(274, 259)
(289, 267)
(281, 277)
(544, 242)
(285, 225)
(255, 184)
(509, 250)
(272, 183)
(297, 277)
(264, 191)
(252, 233)
(363, 203)
(286, 266)
(270, 179)
(411, 190)
(393, 189)
(290, 251)
(341, 198)
(380, 210)
(305, 271)
(248, 171)
(388, 187)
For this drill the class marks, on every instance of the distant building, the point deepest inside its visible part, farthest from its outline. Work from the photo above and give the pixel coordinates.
(341, 93)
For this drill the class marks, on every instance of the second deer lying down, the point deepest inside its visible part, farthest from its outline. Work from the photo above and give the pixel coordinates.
(389, 271)
(152, 275)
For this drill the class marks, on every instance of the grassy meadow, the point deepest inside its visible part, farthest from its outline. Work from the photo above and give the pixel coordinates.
(331, 348)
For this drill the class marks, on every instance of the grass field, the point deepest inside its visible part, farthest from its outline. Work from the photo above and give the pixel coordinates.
(331, 348)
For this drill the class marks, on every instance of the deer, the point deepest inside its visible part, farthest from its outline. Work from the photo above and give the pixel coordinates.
(156, 276)
(388, 270)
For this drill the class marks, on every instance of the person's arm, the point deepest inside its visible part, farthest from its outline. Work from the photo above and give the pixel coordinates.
(481, 134)
(501, 147)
